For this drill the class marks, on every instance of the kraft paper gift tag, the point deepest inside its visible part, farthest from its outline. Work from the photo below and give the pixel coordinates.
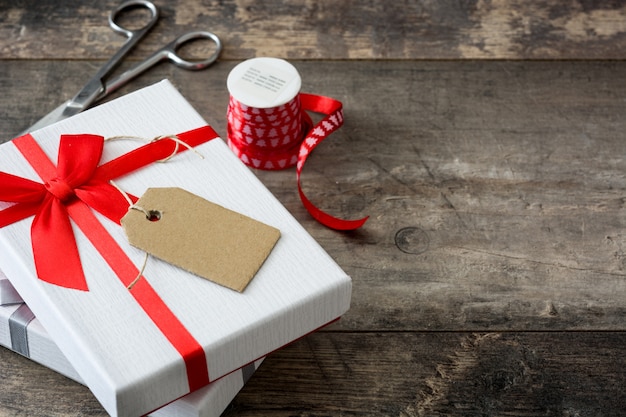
(201, 237)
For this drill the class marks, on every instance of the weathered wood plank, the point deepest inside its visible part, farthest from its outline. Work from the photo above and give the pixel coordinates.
(434, 374)
(495, 190)
(29, 389)
(372, 29)
(390, 374)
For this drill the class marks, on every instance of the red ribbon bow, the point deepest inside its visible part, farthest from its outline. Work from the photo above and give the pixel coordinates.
(77, 179)
(74, 182)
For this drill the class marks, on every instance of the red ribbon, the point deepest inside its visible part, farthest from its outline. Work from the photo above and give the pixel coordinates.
(284, 136)
(71, 190)
(68, 184)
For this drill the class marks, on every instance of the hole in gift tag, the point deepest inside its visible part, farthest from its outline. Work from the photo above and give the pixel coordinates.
(201, 237)
(154, 215)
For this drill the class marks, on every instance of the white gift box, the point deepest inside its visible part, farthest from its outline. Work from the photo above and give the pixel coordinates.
(132, 364)
(22, 332)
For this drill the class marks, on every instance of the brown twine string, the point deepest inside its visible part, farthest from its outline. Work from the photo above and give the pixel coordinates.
(178, 142)
(131, 205)
(143, 210)
(140, 274)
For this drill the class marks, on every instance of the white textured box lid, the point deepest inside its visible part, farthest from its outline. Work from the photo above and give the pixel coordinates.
(117, 350)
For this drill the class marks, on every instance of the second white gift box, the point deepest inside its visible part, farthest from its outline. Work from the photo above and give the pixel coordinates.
(141, 346)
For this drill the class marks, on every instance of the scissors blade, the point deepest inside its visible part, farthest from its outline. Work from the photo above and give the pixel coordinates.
(65, 110)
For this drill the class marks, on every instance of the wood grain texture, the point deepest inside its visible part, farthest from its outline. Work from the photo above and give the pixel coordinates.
(435, 374)
(486, 141)
(390, 374)
(303, 29)
(29, 389)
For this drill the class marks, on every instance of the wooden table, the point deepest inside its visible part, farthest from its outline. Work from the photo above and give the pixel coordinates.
(485, 139)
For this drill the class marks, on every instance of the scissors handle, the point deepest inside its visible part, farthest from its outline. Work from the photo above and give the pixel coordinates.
(126, 7)
(169, 52)
(95, 87)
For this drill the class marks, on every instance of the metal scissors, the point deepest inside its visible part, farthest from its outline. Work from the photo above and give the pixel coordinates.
(97, 87)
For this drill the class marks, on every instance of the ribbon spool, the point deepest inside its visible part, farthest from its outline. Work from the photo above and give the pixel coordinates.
(268, 127)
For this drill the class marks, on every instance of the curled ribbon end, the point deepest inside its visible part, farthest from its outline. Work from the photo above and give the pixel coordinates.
(340, 224)
(352, 224)
(328, 220)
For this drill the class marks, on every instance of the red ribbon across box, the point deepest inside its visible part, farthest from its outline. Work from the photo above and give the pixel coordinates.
(72, 189)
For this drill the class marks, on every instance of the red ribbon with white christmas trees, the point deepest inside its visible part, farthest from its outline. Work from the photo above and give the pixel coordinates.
(283, 136)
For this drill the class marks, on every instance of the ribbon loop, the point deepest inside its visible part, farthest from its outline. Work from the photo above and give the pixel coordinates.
(51, 232)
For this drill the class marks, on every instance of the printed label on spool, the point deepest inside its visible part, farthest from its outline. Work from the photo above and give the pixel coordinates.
(264, 82)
